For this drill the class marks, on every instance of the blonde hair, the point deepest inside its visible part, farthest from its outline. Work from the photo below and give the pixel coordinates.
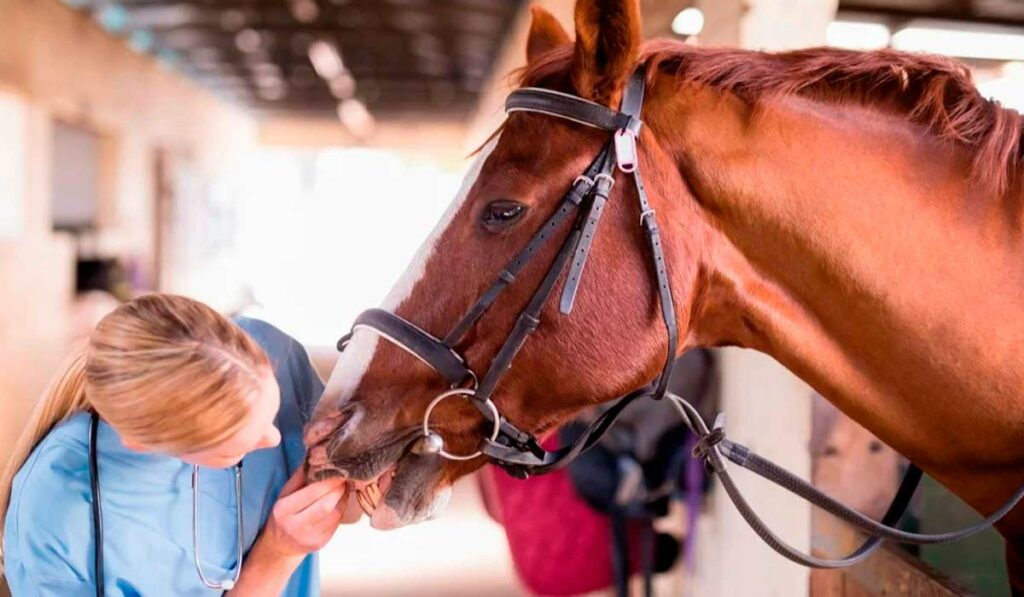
(165, 370)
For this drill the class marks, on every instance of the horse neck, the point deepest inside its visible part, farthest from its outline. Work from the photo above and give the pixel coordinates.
(854, 250)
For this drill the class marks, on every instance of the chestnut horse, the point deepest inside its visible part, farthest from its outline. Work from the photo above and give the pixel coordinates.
(857, 216)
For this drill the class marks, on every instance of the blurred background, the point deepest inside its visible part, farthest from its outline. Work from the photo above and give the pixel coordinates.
(284, 159)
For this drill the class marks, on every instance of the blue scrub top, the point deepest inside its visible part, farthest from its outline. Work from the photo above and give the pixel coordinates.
(147, 502)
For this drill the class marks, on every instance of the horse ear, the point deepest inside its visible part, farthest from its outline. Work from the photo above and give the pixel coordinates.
(546, 33)
(608, 34)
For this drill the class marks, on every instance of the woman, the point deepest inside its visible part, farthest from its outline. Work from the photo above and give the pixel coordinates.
(174, 387)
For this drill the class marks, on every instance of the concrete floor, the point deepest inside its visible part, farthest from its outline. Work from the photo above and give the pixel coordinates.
(462, 553)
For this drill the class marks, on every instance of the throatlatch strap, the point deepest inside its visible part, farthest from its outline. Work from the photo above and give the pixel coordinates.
(632, 103)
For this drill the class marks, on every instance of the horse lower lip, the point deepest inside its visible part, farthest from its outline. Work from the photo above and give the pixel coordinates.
(321, 473)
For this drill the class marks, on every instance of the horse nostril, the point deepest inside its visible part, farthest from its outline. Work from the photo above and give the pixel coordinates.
(318, 457)
(333, 427)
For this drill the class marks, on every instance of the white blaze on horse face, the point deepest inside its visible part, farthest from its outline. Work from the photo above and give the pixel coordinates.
(354, 362)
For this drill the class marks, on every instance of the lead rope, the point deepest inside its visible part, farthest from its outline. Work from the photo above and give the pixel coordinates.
(712, 447)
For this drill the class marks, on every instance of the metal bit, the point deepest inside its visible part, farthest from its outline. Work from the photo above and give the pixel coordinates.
(431, 443)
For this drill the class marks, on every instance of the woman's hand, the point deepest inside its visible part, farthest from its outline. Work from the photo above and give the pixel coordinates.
(305, 518)
(302, 520)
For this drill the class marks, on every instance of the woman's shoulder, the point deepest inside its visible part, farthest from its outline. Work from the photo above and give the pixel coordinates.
(271, 338)
(298, 379)
(52, 487)
(287, 355)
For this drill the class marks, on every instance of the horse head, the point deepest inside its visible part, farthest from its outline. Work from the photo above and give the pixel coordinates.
(610, 342)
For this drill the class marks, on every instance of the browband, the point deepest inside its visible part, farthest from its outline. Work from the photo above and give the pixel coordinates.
(570, 107)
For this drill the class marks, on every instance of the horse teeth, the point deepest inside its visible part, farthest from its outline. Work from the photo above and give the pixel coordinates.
(364, 503)
(373, 492)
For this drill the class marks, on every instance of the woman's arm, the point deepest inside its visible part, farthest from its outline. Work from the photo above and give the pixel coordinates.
(302, 521)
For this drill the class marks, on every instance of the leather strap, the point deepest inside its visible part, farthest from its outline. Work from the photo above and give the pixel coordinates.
(570, 107)
(527, 322)
(522, 464)
(878, 531)
(579, 190)
(632, 103)
(415, 341)
(602, 190)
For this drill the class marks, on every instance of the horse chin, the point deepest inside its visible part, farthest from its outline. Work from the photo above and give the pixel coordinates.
(417, 491)
(389, 515)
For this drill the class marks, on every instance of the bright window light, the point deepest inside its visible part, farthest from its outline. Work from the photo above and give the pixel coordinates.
(1007, 89)
(963, 40)
(857, 35)
(308, 220)
(689, 21)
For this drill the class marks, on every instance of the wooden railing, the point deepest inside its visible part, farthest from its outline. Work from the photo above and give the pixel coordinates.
(890, 572)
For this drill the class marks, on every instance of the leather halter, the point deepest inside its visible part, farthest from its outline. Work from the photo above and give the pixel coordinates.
(518, 452)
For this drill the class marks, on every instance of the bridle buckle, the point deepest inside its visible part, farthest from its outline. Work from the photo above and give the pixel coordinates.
(625, 150)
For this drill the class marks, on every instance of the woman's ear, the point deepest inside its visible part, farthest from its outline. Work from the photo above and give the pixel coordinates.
(546, 33)
(608, 35)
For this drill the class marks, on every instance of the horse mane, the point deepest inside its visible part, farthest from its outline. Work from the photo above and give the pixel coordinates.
(934, 92)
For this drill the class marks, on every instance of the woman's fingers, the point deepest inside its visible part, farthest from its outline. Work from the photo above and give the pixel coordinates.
(327, 508)
(351, 512)
(293, 483)
(301, 499)
(305, 519)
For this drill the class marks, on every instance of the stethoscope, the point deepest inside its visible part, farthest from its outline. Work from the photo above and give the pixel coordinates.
(97, 518)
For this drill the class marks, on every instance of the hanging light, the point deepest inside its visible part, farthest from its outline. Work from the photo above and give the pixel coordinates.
(689, 21)
(356, 118)
(248, 40)
(305, 11)
(326, 59)
(343, 86)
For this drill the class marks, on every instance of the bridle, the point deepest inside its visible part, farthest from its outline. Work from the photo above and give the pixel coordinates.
(518, 452)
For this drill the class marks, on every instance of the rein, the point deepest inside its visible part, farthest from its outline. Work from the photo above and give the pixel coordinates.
(518, 452)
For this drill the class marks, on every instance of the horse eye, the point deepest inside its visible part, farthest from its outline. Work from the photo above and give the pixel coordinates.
(501, 214)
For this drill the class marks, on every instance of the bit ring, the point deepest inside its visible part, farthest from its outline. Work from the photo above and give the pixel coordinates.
(469, 393)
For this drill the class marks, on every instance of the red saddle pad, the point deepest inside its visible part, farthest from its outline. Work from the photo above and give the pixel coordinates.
(559, 545)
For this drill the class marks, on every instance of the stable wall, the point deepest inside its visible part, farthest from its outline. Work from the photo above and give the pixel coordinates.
(56, 64)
